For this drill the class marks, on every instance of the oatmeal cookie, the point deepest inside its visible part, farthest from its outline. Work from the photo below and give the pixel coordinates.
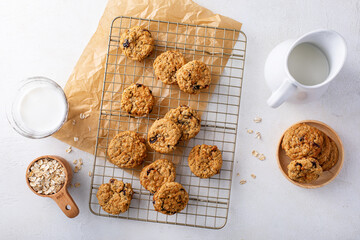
(193, 76)
(127, 150)
(171, 198)
(166, 65)
(137, 100)
(115, 197)
(205, 160)
(156, 174)
(304, 170)
(325, 150)
(187, 119)
(333, 157)
(164, 135)
(137, 43)
(302, 140)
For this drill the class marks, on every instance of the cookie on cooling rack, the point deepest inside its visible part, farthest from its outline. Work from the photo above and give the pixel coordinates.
(171, 198)
(137, 43)
(304, 170)
(164, 135)
(205, 160)
(166, 66)
(154, 175)
(137, 100)
(193, 77)
(127, 150)
(187, 119)
(115, 197)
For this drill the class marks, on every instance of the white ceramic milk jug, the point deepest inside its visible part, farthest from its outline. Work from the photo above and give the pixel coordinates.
(300, 70)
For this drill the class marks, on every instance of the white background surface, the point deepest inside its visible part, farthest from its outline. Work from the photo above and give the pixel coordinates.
(47, 37)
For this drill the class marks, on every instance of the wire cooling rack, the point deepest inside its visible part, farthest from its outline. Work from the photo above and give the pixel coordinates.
(224, 52)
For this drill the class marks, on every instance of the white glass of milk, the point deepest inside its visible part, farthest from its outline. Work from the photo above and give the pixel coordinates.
(38, 108)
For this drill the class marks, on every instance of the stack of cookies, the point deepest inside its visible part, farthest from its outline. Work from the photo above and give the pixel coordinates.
(311, 152)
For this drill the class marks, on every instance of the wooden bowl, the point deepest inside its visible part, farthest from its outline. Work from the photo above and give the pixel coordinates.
(327, 176)
(62, 197)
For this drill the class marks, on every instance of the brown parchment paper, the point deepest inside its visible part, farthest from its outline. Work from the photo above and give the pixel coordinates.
(85, 84)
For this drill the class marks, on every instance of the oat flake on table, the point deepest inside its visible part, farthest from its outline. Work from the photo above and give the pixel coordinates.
(257, 119)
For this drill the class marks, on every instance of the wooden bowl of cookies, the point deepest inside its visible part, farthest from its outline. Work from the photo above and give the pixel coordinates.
(310, 158)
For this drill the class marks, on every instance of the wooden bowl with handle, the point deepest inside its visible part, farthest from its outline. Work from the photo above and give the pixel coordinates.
(327, 176)
(62, 197)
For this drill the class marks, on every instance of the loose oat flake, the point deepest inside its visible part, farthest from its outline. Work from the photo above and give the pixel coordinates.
(260, 156)
(255, 153)
(90, 173)
(69, 149)
(249, 131)
(46, 176)
(253, 176)
(257, 119)
(77, 184)
(258, 135)
(238, 174)
(84, 116)
(76, 139)
(242, 181)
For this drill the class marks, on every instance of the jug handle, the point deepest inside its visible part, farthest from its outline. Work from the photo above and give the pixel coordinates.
(281, 94)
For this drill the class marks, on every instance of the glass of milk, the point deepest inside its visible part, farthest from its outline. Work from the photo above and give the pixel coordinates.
(38, 108)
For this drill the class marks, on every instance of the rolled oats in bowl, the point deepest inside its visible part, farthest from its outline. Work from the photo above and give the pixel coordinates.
(46, 176)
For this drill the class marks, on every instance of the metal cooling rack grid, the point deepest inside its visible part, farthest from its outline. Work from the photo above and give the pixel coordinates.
(209, 198)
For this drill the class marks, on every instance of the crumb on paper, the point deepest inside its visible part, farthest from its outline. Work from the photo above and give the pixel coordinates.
(90, 173)
(255, 153)
(69, 149)
(80, 161)
(77, 184)
(258, 135)
(242, 181)
(253, 176)
(238, 174)
(76, 169)
(75, 161)
(249, 131)
(257, 119)
(73, 122)
(76, 139)
(262, 157)
(84, 115)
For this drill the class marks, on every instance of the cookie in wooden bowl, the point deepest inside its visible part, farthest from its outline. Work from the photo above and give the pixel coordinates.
(331, 160)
